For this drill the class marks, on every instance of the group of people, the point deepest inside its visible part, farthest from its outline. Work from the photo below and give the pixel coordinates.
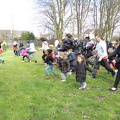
(20, 49)
(74, 56)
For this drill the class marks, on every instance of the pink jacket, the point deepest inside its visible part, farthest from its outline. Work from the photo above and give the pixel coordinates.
(24, 52)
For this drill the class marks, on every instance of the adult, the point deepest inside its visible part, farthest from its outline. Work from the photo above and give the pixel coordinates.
(15, 49)
(88, 50)
(32, 50)
(101, 56)
(116, 52)
(78, 46)
(4, 46)
(20, 47)
(28, 45)
(67, 43)
(45, 46)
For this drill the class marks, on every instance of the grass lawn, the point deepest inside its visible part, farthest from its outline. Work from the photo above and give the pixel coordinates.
(25, 94)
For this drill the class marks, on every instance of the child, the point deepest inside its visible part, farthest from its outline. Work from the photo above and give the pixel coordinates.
(80, 69)
(49, 60)
(111, 61)
(15, 50)
(1, 59)
(72, 59)
(64, 65)
(32, 50)
(25, 54)
(45, 46)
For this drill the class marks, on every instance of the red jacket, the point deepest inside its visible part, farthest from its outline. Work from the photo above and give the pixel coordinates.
(1, 50)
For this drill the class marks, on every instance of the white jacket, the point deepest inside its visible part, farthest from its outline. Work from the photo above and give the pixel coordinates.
(32, 48)
(45, 46)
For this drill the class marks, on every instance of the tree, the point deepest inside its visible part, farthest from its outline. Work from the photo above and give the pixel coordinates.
(106, 17)
(55, 16)
(82, 9)
(28, 36)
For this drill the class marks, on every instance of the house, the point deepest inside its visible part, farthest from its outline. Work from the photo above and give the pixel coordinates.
(48, 36)
(90, 33)
(9, 35)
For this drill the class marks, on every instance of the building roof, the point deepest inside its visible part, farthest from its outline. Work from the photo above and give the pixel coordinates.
(88, 31)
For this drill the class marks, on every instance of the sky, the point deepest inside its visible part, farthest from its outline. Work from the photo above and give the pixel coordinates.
(18, 15)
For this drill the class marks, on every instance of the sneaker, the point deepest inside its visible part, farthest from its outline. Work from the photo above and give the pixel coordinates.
(56, 76)
(91, 76)
(84, 85)
(47, 77)
(116, 71)
(113, 89)
(80, 88)
(63, 80)
(3, 61)
(45, 64)
(70, 73)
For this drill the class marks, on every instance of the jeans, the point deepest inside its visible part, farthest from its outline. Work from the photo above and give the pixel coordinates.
(32, 54)
(104, 63)
(51, 67)
(63, 75)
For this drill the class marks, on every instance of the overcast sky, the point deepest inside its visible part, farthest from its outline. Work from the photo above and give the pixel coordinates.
(18, 15)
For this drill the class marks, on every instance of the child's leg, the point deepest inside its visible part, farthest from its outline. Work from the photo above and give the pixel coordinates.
(23, 58)
(114, 65)
(43, 57)
(52, 69)
(83, 85)
(63, 77)
(80, 86)
(68, 73)
(14, 52)
(1, 59)
(27, 56)
(47, 70)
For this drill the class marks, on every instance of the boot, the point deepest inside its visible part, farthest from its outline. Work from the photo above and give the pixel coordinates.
(98, 72)
(47, 77)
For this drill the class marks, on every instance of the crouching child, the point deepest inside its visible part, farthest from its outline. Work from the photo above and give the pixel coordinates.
(64, 66)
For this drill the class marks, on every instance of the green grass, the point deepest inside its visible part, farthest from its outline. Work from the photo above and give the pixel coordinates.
(25, 94)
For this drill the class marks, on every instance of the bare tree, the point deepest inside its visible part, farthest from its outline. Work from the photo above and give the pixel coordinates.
(56, 15)
(109, 17)
(82, 9)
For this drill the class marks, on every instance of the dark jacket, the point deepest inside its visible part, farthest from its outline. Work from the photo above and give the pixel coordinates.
(116, 52)
(64, 65)
(68, 44)
(49, 60)
(81, 72)
(111, 58)
(72, 59)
